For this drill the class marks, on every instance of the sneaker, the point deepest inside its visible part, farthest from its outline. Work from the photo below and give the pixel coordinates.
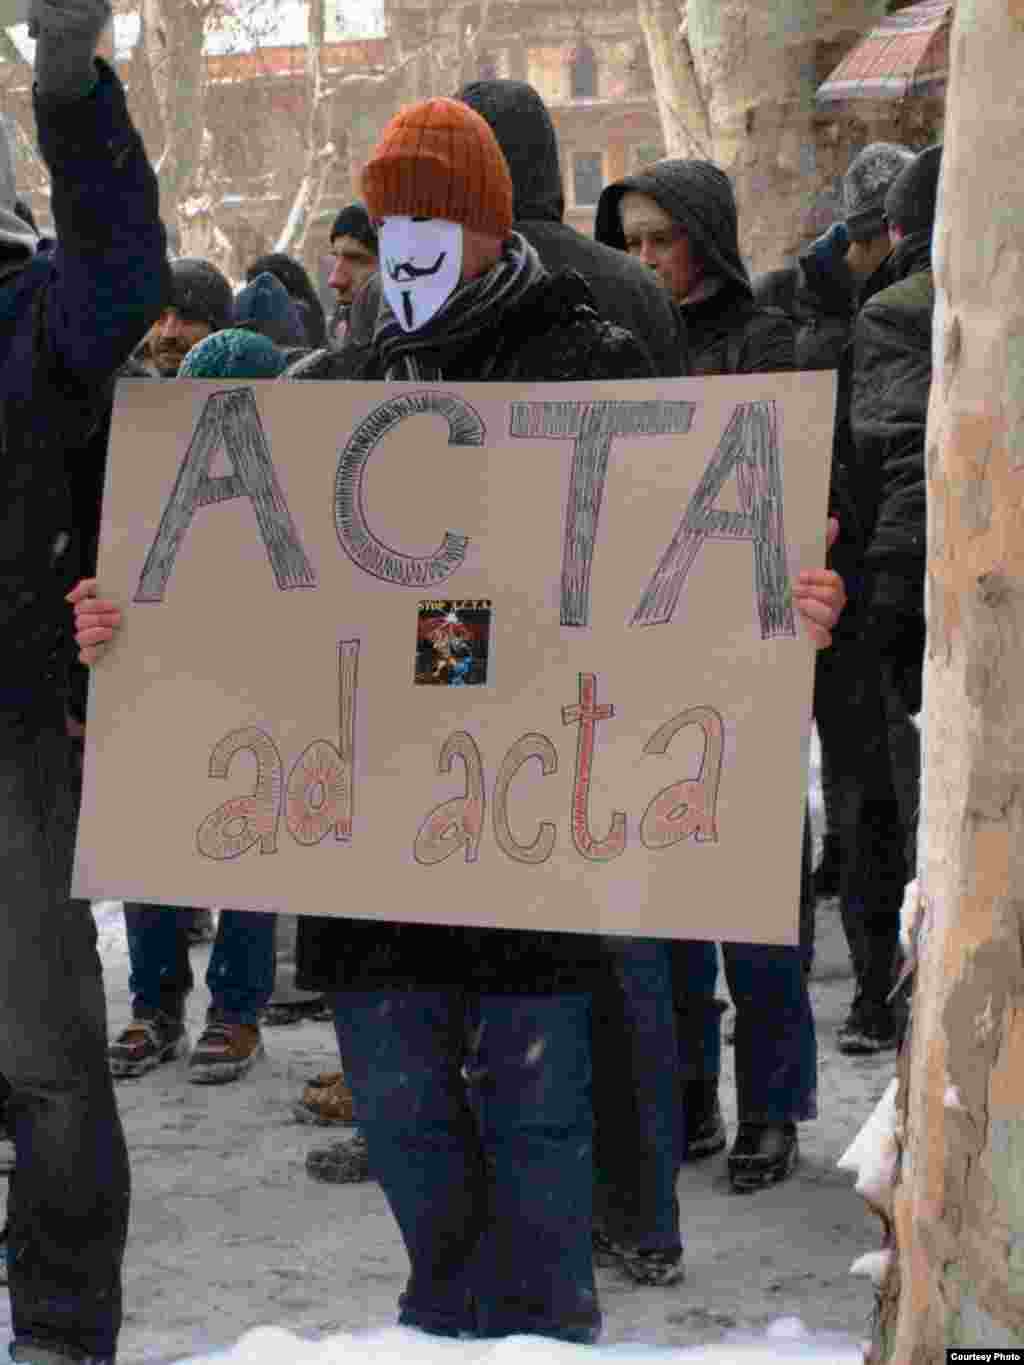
(345, 1161)
(654, 1267)
(869, 1029)
(147, 1042)
(763, 1154)
(326, 1100)
(224, 1051)
(705, 1127)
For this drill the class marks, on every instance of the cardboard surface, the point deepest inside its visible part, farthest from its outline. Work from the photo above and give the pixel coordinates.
(480, 654)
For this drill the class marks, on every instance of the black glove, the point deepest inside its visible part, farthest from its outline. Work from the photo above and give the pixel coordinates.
(66, 33)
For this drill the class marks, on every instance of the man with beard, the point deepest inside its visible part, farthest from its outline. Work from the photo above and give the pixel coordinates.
(201, 303)
(71, 313)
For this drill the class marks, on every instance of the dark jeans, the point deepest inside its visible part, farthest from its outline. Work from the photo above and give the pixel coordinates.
(878, 793)
(776, 1044)
(477, 1116)
(69, 1195)
(638, 1118)
(240, 977)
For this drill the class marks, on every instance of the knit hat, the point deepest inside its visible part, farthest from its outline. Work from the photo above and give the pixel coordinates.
(439, 159)
(266, 306)
(354, 221)
(200, 293)
(911, 201)
(865, 183)
(233, 354)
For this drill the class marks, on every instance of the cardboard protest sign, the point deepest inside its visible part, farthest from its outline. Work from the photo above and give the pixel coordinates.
(486, 654)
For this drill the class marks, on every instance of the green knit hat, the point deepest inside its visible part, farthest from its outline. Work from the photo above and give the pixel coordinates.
(233, 354)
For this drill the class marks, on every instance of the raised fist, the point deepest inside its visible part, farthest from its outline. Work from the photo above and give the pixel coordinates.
(66, 33)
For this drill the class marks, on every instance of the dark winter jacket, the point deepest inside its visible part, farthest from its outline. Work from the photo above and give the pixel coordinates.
(552, 334)
(819, 301)
(889, 387)
(624, 291)
(68, 318)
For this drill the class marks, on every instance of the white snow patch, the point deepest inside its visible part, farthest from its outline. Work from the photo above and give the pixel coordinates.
(111, 938)
(875, 1265)
(873, 1153)
(787, 1342)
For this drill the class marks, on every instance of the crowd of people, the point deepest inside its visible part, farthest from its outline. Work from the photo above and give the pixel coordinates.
(525, 1099)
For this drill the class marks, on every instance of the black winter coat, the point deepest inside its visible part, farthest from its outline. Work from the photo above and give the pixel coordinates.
(68, 318)
(729, 333)
(889, 387)
(625, 292)
(821, 308)
(552, 334)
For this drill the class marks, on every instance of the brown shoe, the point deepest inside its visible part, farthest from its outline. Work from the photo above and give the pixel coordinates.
(148, 1041)
(224, 1052)
(326, 1100)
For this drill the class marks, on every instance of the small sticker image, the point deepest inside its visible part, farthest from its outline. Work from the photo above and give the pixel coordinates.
(453, 642)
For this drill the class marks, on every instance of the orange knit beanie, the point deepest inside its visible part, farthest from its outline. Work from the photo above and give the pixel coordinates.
(439, 159)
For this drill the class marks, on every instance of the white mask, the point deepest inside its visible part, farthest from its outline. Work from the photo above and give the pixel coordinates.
(420, 267)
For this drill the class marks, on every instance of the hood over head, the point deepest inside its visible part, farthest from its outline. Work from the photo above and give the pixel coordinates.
(699, 197)
(522, 125)
(17, 237)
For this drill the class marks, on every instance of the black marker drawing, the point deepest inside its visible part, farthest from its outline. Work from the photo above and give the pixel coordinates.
(750, 447)
(399, 270)
(525, 748)
(230, 420)
(686, 809)
(457, 823)
(593, 427)
(465, 427)
(244, 821)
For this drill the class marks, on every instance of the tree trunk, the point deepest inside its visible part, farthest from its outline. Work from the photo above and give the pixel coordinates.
(959, 1203)
(681, 105)
(173, 32)
(319, 149)
(758, 65)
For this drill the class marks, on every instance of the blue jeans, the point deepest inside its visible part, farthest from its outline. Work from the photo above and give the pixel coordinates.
(477, 1116)
(638, 1118)
(776, 1044)
(69, 1195)
(240, 977)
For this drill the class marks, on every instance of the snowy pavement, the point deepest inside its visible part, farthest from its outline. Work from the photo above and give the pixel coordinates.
(229, 1233)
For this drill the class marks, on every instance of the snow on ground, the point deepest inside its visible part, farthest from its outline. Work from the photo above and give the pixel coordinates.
(229, 1233)
(787, 1342)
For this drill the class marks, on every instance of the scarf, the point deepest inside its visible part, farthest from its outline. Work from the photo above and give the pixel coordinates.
(468, 313)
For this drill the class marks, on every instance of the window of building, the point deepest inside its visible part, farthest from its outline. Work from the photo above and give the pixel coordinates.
(583, 72)
(588, 177)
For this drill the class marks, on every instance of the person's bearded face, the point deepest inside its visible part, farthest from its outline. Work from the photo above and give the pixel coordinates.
(171, 338)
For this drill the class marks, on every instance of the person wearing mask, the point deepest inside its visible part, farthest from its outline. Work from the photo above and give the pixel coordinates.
(679, 219)
(354, 252)
(72, 311)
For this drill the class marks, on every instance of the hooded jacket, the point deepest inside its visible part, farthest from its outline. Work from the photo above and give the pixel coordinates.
(551, 333)
(819, 296)
(726, 332)
(890, 385)
(70, 314)
(623, 291)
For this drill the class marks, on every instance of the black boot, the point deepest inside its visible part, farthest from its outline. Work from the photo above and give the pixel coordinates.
(763, 1154)
(705, 1127)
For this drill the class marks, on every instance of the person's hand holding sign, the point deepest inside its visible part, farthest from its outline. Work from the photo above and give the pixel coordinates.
(820, 596)
(96, 620)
